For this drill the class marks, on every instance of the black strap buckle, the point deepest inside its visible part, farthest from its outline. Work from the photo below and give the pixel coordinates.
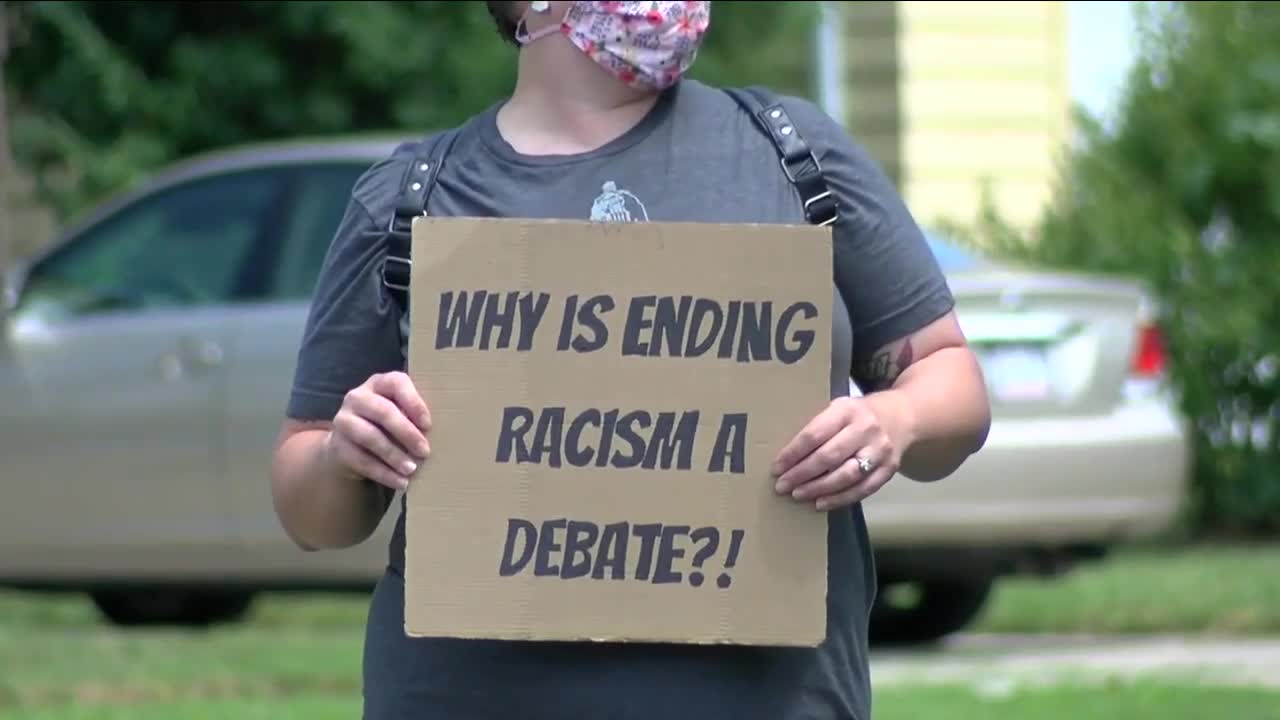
(397, 266)
(397, 272)
(820, 208)
(411, 203)
(799, 164)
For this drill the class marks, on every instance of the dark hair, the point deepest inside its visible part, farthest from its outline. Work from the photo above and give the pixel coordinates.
(503, 13)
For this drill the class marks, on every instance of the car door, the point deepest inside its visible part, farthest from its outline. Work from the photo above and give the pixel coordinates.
(114, 384)
(261, 373)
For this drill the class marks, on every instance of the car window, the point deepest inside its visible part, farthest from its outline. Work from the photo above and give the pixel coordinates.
(951, 256)
(185, 246)
(321, 195)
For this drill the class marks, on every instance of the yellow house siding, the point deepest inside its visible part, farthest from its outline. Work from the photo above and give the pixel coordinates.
(873, 113)
(948, 95)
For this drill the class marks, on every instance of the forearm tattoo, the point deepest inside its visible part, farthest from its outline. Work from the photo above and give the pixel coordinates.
(881, 369)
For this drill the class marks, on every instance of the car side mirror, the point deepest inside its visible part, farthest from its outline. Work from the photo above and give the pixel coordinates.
(15, 277)
(11, 284)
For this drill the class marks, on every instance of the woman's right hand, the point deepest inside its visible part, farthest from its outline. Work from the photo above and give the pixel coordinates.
(379, 433)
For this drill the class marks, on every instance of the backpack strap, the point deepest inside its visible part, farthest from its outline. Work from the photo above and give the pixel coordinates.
(415, 190)
(799, 163)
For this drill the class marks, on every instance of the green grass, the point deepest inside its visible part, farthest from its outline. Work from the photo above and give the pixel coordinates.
(1109, 702)
(1117, 701)
(46, 666)
(299, 656)
(1212, 589)
(307, 707)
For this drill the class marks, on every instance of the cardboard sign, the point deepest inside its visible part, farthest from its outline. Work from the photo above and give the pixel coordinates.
(607, 400)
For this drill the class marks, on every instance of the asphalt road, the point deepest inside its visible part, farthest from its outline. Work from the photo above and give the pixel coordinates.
(999, 662)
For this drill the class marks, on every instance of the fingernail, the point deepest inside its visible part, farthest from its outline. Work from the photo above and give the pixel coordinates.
(408, 467)
(820, 505)
(780, 487)
(403, 483)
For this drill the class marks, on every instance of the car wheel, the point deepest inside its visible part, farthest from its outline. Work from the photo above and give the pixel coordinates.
(172, 607)
(934, 610)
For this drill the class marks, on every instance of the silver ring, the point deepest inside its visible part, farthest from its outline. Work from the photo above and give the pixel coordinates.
(866, 465)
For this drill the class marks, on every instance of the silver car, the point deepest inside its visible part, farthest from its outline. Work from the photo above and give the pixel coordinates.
(145, 360)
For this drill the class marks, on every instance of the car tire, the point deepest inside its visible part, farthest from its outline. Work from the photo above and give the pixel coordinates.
(939, 609)
(172, 607)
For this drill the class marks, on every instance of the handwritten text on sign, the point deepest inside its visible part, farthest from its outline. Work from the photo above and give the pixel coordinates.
(569, 549)
(740, 331)
(606, 401)
(653, 326)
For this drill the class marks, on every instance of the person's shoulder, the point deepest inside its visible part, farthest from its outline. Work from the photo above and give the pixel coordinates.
(809, 115)
(836, 146)
(702, 96)
(377, 189)
(821, 131)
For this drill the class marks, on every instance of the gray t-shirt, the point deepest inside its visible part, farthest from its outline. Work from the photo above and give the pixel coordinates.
(695, 157)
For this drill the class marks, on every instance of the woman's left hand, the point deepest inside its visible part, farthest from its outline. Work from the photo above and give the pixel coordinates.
(841, 457)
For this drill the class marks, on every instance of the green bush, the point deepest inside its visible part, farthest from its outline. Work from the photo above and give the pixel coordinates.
(104, 93)
(1181, 188)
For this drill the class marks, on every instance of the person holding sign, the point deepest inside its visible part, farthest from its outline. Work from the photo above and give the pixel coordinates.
(604, 126)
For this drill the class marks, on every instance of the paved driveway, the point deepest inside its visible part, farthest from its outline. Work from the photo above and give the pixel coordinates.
(999, 662)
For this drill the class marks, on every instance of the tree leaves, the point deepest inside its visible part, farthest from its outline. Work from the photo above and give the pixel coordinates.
(1183, 191)
(107, 91)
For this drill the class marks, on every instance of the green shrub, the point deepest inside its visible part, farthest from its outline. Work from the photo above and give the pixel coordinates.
(1181, 188)
(104, 93)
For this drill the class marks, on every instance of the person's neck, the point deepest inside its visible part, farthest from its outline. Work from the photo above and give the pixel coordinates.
(566, 104)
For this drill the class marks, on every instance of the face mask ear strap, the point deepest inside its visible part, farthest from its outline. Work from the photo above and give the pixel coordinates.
(541, 7)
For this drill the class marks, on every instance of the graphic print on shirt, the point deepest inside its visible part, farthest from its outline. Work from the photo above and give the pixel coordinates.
(615, 205)
(611, 205)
